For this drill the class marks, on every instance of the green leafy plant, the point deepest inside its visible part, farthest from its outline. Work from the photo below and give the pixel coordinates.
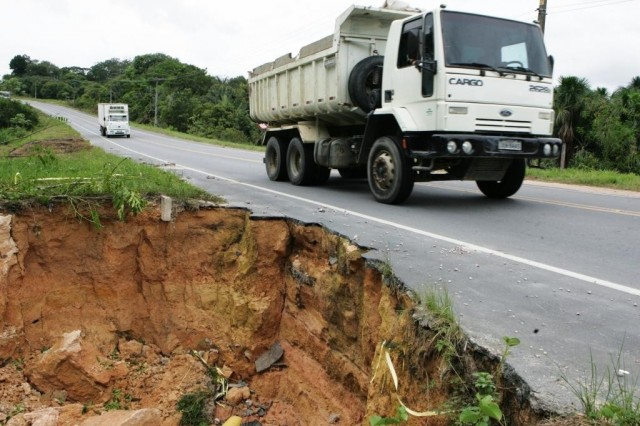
(400, 417)
(118, 401)
(481, 414)
(486, 407)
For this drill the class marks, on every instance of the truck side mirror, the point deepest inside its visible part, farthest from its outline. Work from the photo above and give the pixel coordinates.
(428, 65)
(551, 62)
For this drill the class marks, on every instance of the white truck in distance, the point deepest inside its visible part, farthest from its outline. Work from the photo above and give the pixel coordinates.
(114, 120)
(401, 97)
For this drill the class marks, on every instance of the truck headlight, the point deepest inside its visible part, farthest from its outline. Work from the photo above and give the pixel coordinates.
(467, 147)
(452, 147)
(556, 149)
(546, 149)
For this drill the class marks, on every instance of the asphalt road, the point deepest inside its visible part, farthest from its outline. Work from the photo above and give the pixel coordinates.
(555, 265)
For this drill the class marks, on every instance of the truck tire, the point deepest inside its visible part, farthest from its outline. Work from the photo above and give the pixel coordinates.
(274, 159)
(365, 83)
(300, 165)
(508, 185)
(390, 176)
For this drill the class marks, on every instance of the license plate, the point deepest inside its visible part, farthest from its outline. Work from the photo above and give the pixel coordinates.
(510, 145)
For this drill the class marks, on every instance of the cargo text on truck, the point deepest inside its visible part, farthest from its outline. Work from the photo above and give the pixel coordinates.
(402, 97)
(114, 120)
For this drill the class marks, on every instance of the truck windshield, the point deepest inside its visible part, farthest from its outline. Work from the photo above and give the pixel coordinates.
(117, 118)
(484, 42)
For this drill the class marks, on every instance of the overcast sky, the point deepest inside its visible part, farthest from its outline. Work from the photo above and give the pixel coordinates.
(595, 39)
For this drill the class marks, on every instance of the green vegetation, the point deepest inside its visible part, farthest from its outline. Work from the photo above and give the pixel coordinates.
(400, 417)
(187, 136)
(192, 406)
(598, 178)
(601, 131)
(118, 401)
(33, 167)
(159, 89)
(609, 397)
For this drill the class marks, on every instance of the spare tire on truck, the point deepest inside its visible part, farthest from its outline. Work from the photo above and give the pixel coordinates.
(365, 83)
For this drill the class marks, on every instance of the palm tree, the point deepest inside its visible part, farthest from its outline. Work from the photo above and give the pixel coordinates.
(569, 102)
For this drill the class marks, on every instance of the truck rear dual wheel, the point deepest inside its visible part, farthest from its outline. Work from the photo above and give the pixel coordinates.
(508, 185)
(274, 159)
(390, 176)
(301, 167)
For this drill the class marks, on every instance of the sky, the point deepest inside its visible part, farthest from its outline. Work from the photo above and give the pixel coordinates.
(593, 39)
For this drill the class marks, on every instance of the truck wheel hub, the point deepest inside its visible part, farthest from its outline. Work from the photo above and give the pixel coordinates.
(383, 170)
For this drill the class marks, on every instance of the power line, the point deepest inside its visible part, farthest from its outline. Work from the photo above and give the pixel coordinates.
(589, 6)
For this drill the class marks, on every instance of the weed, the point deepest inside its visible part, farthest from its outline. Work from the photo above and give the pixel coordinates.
(118, 401)
(442, 319)
(192, 407)
(481, 414)
(17, 409)
(400, 417)
(608, 397)
(18, 364)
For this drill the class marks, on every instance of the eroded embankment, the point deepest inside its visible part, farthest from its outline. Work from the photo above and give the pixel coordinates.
(96, 321)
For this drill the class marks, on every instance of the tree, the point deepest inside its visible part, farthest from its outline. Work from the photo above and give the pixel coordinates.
(19, 65)
(569, 102)
(107, 70)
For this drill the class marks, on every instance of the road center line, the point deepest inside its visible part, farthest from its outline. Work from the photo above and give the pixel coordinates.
(469, 246)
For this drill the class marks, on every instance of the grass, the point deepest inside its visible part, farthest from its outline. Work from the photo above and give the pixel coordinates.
(175, 134)
(608, 397)
(596, 178)
(44, 174)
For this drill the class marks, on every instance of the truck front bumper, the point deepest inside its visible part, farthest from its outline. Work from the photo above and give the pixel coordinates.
(481, 146)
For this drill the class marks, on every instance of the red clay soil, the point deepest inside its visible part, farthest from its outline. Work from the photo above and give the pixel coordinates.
(102, 326)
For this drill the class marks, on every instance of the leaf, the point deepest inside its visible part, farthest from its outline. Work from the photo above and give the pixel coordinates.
(511, 341)
(469, 415)
(489, 408)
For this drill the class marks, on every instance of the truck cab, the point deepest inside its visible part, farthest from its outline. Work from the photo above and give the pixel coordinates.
(470, 98)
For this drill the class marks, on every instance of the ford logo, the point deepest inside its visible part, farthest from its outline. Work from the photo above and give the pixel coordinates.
(506, 113)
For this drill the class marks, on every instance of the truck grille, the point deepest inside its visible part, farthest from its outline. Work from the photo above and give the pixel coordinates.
(486, 124)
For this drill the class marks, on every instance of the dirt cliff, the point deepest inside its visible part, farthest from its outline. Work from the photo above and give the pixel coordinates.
(145, 317)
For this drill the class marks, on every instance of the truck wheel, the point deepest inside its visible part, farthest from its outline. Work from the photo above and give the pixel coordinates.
(508, 185)
(365, 83)
(274, 159)
(390, 177)
(300, 165)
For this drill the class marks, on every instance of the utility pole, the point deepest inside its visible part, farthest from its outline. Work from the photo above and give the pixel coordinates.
(155, 114)
(542, 13)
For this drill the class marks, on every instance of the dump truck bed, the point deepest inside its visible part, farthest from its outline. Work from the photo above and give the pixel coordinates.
(314, 84)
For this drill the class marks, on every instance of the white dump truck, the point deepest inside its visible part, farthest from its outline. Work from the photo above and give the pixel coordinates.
(401, 97)
(114, 120)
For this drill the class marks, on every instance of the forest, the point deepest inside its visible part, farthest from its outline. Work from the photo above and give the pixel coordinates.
(601, 130)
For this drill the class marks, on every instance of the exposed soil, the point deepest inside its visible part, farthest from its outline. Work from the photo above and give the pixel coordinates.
(54, 146)
(129, 320)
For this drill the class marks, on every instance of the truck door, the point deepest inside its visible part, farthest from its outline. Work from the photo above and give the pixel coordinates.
(413, 86)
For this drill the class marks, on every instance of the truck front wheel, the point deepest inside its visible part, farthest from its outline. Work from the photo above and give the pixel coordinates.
(390, 177)
(508, 185)
(274, 159)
